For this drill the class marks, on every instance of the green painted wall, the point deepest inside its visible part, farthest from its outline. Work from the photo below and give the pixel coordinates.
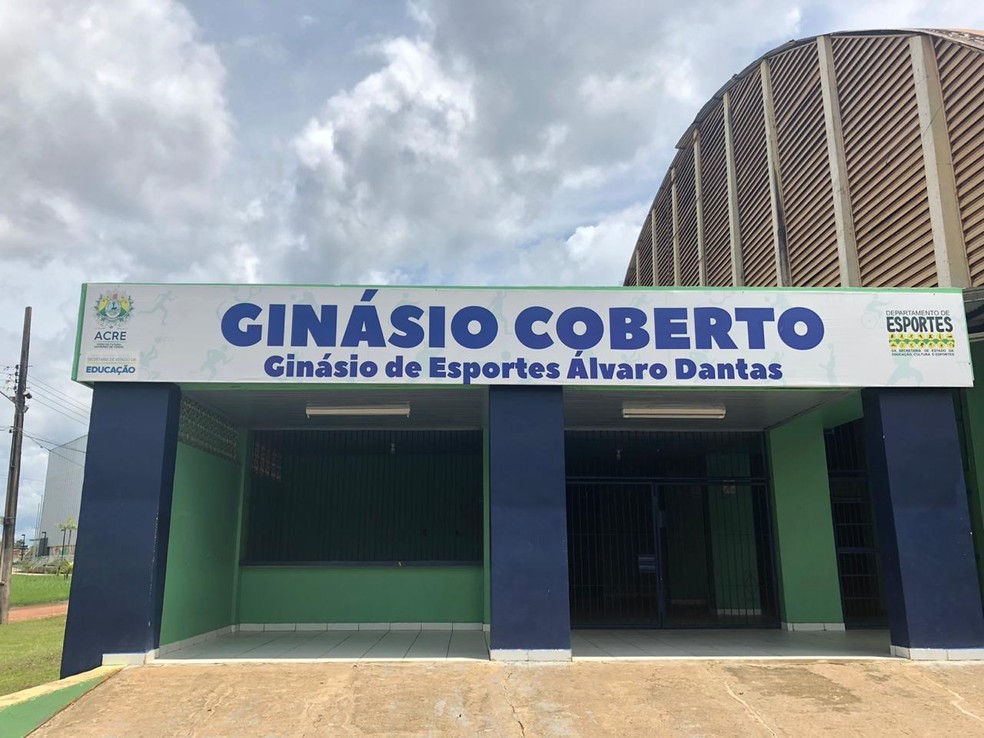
(731, 509)
(733, 551)
(202, 554)
(809, 590)
(374, 594)
(973, 410)
(842, 411)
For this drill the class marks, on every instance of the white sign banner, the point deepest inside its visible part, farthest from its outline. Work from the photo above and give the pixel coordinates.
(628, 337)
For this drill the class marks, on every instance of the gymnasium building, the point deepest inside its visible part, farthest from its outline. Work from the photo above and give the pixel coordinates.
(769, 432)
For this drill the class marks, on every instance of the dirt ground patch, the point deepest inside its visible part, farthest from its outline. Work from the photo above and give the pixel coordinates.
(37, 612)
(678, 698)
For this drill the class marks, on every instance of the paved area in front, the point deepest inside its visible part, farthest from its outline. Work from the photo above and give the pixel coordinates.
(583, 698)
(441, 645)
(339, 645)
(729, 644)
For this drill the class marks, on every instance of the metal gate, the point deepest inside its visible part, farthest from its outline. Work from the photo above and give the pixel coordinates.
(664, 553)
(855, 537)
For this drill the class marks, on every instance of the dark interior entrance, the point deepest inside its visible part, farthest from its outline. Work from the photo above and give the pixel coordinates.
(654, 551)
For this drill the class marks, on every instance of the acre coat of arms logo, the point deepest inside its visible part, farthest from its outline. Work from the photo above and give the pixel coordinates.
(113, 308)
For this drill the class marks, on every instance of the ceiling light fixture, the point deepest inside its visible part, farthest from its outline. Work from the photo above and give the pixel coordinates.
(677, 412)
(400, 410)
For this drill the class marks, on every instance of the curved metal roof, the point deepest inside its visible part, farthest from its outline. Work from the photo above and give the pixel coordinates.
(827, 156)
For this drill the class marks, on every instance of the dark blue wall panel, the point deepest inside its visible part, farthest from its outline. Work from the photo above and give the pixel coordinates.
(118, 581)
(528, 519)
(917, 483)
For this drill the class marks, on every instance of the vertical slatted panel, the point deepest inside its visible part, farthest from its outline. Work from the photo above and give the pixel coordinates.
(858, 556)
(884, 161)
(664, 454)
(687, 206)
(645, 248)
(754, 207)
(609, 530)
(366, 496)
(714, 182)
(710, 541)
(808, 201)
(962, 79)
(664, 236)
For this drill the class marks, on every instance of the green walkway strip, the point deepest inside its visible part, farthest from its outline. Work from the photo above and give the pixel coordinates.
(23, 712)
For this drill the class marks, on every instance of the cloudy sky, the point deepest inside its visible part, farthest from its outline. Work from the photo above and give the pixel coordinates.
(423, 142)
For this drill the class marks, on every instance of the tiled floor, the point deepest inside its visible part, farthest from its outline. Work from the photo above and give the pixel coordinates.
(728, 644)
(435, 645)
(338, 645)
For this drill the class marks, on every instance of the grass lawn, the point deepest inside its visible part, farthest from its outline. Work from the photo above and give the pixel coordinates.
(30, 653)
(38, 589)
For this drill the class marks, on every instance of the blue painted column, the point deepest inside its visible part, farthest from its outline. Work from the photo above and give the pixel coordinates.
(917, 483)
(530, 611)
(118, 579)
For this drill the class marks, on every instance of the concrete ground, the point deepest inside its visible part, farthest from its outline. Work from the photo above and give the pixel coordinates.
(665, 698)
(273, 642)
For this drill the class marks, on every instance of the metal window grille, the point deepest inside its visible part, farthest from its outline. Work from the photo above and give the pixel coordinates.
(855, 536)
(365, 497)
(205, 430)
(669, 530)
(267, 461)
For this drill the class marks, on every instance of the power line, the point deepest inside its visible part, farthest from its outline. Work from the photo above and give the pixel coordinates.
(51, 390)
(77, 417)
(54, 450)
(68, 401)
(55, 408)
(54, 404)
(59, 398)
(57, 444)
(69, 404)
(40, 441)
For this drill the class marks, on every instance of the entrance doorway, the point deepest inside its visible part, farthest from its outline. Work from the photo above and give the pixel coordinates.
(664, 555)
(669, 552)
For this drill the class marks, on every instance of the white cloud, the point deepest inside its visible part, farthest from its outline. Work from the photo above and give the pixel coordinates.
(477, 144)
(111, 109)
(388, 174)
(593, 254)
(115, 137)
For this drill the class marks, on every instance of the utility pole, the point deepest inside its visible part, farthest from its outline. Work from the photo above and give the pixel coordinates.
(13, 473)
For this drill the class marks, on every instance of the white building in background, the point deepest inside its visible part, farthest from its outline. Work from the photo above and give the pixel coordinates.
(62, 497)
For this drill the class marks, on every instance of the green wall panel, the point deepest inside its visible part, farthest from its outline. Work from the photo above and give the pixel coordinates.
(734, 551)
(202, 555)
(354, 594)
(807, 560)
(842, 411)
